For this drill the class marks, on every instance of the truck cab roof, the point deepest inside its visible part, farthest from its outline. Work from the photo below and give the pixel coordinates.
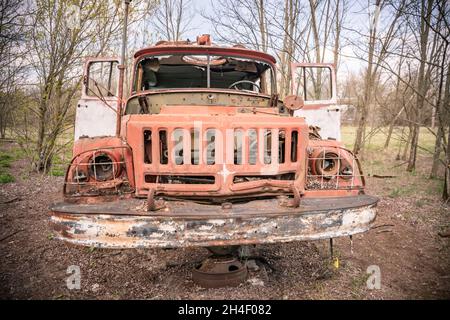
(184, 47)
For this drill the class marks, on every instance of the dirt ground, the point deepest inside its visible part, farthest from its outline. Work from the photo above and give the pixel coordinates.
(414, 259)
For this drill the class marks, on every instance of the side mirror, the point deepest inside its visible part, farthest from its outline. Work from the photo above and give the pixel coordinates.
(293, 102)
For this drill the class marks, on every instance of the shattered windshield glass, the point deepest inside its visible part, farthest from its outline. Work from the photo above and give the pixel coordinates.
(202, 71)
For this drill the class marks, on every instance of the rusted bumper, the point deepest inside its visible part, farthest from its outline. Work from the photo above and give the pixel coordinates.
(125, 223)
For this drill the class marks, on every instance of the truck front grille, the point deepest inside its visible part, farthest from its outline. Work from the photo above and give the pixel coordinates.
(218, 158)
(241, 147)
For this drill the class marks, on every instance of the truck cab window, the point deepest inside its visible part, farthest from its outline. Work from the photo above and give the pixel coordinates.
(313, 83)
(102, 78)
(203, 71)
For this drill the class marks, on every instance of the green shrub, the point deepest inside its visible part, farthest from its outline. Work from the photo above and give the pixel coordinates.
(5, 160)
(57, 172)
(6, 178)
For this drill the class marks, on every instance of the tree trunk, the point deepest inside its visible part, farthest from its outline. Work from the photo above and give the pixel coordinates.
(437, 152)
(446, 193)
(413, 149)
(421, 82)
(40, 164)
(337, 37)
(360, 130)
(369, 77)
(391, 127)
(397, 88)
(3, 125)
(439, 114)
(407, 143)
(388, 138)
(262, 25)
(433, 117)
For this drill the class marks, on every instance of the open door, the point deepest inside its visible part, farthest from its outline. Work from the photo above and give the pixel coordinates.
(96, 111)
(316, 84)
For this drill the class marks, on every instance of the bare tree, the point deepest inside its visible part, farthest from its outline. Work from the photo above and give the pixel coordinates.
(56, 50)
(442, 30)
(297, 31)
(377, 50)
(173, 18)
(421, 73)
(242, 22)
(291, 15)
(12, 14)
(426, 6)
(398, 106)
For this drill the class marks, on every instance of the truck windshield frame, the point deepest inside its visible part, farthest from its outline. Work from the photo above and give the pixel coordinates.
(157, 72)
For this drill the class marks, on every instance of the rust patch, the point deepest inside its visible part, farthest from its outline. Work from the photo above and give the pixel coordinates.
(311, 221)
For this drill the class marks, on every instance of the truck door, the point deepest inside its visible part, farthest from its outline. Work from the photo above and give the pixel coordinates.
(96, 110)
(316, 84)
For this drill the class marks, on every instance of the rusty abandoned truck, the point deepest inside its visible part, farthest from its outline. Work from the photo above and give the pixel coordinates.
(204, 153)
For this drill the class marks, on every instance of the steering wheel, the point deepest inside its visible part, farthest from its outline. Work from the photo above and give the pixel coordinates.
(234, 84)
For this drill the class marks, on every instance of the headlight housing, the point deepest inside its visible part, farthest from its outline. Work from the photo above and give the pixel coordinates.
(103, 167)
